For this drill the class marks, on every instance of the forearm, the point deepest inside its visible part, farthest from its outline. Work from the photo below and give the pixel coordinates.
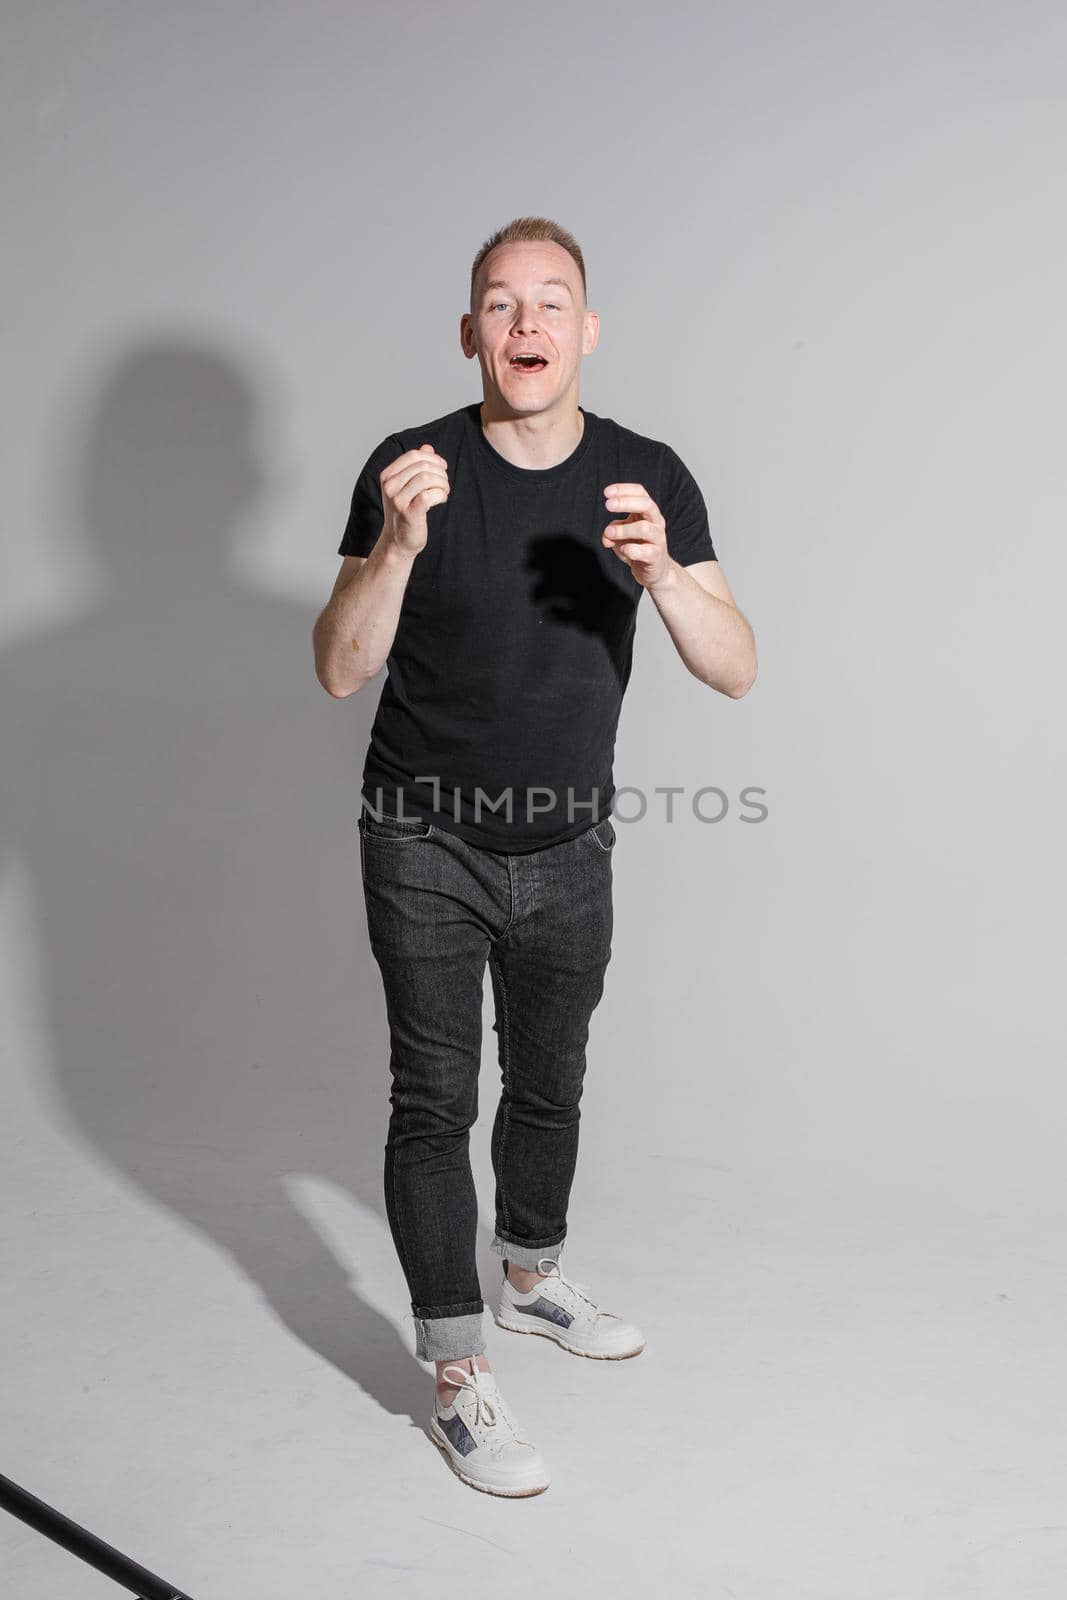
(354, 632)
(712, 637)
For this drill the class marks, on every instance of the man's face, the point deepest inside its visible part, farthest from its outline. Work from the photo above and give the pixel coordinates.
(529, 299)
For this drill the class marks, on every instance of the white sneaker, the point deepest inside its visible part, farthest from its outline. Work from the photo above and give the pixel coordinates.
(482, 1441)
(564, 1311)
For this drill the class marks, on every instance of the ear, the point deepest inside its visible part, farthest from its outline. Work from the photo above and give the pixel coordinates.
(590, 333)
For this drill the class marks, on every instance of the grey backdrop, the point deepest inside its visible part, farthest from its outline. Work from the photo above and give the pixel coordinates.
(823, 1123)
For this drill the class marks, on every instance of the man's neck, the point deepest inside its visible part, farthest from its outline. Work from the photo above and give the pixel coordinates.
(532, 442)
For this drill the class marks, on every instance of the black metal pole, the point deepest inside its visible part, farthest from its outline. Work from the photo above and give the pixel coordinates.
(80, 1542)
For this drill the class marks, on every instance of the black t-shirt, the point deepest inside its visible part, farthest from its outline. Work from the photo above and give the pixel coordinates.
(515, 638)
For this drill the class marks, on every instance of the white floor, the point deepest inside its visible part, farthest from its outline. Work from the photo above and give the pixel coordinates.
(831, 1405)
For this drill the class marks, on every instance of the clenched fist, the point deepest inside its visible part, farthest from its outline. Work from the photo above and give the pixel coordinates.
(410, 485)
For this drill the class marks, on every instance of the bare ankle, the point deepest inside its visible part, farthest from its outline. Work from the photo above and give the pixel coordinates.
(522, 1278)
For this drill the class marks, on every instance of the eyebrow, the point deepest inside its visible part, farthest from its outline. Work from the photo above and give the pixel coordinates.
(502, 283)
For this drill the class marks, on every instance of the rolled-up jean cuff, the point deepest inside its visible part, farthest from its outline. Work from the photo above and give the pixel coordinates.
(525, 1255)
(449, 1338)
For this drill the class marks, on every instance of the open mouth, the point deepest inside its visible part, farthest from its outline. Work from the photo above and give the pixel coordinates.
(527, 363)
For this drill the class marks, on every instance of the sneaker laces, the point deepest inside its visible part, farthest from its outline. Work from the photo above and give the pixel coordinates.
(581, 1289)
(490, 1408)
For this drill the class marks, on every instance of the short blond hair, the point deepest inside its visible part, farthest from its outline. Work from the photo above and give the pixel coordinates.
(526, 230)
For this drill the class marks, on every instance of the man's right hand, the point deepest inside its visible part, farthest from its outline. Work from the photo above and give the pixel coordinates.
(410, 485)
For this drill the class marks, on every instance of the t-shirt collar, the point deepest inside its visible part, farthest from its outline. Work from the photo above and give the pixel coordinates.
(531, 474)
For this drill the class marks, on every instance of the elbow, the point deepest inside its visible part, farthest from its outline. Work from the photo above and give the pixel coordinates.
(737, 687)
(336, 690)
(324, 664)
(740, 687)
(747, 677)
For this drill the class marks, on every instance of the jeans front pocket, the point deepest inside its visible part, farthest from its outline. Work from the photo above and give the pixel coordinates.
(393, 830)
(602, 834)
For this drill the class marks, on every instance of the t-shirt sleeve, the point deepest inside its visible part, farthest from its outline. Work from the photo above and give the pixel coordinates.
(365, 516)
(685, 514)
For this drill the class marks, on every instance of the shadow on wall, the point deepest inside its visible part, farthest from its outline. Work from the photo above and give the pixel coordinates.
(183, 796)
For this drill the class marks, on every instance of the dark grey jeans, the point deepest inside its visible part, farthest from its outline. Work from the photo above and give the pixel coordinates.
(438, 909)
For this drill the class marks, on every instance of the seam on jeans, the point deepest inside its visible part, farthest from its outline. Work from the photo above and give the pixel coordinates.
(505, 1058)
(511, 896)
(396, 1213)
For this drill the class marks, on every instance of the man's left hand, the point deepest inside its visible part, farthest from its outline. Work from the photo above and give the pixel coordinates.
(639, 538)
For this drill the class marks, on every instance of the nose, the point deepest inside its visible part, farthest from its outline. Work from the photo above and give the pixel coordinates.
(526, 322)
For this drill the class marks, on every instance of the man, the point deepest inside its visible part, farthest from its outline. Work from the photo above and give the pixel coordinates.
(480, 565)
